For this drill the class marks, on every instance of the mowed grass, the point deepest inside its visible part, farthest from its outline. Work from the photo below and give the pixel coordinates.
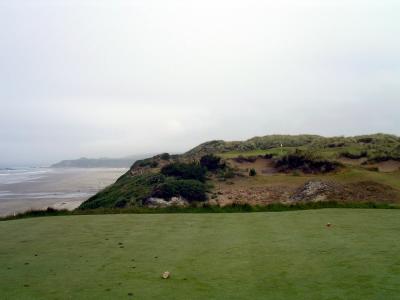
(286, 255)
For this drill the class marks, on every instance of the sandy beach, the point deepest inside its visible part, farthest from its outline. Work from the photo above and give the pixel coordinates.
(57, 188)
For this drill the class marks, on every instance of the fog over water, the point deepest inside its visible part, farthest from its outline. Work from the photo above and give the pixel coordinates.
(115, 78)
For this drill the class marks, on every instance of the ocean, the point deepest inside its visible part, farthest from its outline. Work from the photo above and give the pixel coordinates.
(28, 188)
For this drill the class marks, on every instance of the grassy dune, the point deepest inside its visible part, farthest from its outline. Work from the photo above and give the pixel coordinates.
(287, 255)
(353, 174)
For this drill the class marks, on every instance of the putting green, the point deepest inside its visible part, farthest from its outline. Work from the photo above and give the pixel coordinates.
(285, 255)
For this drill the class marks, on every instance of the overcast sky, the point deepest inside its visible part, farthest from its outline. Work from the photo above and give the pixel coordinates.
(114, 78)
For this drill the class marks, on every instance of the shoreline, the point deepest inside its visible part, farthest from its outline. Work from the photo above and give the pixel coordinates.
(56, 188)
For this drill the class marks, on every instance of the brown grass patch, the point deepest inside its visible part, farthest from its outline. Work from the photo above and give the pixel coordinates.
(352, 161)
(387, 166)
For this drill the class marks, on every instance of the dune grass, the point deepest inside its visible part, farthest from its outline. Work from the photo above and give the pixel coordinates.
(286, 255)
(249, 153)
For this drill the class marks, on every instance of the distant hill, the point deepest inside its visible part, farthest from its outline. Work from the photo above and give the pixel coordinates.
(125, 162)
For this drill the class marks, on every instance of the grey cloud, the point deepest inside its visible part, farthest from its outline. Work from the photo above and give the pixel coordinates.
(95, 78)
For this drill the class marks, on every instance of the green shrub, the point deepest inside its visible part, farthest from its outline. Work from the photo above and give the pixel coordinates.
(191, 190)
(252, 172)
(185, 171)
(365, 140)
(305, 162)
(336, 145)
(155, 179)
(149, 162)
(211, 162)
(126, 191)
(354, 155)
(121, 203)
(385, 156)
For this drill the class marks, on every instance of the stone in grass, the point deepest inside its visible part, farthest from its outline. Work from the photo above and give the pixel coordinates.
(166, 275)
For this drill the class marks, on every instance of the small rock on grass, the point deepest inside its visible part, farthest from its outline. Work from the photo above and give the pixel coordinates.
(166, 275)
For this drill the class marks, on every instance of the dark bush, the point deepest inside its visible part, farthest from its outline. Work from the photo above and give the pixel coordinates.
(211, 162)
(155, 179)
(165, 156)
(185, 171)
(252, 172)
(383, 157)
(304, 162)
(121, 203)
(242, 159)
(149, 162)
(191, 190)
(154, 164)
(336, 145)
(365, 140)
(354, 155)
(50, 209)
(372, 169)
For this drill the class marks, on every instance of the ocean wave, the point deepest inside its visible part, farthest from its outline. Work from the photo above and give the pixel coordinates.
(46, 195)
(11, 176)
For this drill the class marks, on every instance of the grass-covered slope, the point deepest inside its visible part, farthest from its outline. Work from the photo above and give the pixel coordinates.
(143, 181)
(256, 143)
(287, 255)
(376, 146)
(127, 190)
(275, 157)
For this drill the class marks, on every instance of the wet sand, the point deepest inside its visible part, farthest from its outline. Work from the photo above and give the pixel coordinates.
(57, 188)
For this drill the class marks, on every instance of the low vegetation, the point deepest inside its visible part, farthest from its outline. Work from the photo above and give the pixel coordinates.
(182, 170)
(305, 162)
(218, 168)
(354, 155)
(191, 190)
(175, 179)
(211, 162)
(252, 172)
(126, 191)
(204, 208)
(377, 146)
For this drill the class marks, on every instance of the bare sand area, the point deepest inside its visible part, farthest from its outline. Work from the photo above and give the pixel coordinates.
(57, 188)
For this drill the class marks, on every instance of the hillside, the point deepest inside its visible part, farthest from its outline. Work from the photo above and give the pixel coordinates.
(263, 170)
(84, 162)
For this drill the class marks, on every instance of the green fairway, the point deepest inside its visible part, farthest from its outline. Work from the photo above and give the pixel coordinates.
(286, 255)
